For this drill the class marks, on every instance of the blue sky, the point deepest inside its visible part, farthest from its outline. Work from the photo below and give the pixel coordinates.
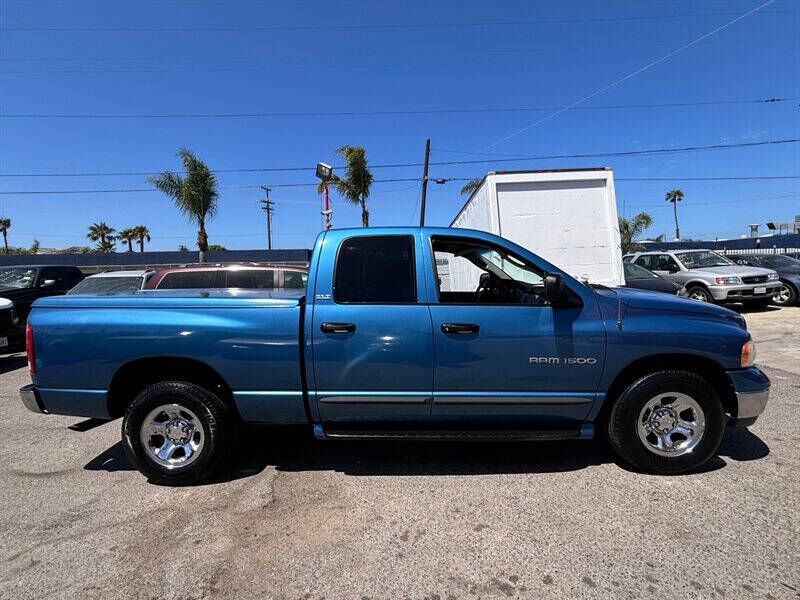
(317, 57)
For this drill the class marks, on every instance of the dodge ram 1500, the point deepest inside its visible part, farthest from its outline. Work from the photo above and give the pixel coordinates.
(405, 333)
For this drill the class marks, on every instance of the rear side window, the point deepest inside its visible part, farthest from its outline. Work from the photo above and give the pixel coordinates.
(378, 270)
(188, 280)
(648, 261)
(294, 280)
(252, 279)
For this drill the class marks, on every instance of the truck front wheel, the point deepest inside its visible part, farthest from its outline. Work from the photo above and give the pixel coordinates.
(667, 422)
(175, 433)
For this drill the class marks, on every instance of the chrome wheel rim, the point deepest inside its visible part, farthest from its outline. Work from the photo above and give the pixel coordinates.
(671, 424)
(783, 295)
(698, 295)
(172, 435)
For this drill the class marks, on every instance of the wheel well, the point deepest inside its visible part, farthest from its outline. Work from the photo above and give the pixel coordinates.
(136, 375)
(696, 283)
(706, 368)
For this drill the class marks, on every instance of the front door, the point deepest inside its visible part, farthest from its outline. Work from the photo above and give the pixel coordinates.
(372, 344)
(503, 357)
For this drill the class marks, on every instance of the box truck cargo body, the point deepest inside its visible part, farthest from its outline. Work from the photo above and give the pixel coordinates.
(568, 217)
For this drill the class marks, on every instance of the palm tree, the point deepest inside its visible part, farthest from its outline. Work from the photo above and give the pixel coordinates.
(470, 186)
(675, 195)
(357, 179)
(630, 229)
(126, 236)
(140, 234)
(103, 235)
(195, 194)
(5, 225)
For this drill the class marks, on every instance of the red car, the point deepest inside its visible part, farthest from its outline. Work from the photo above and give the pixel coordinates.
(250, 276)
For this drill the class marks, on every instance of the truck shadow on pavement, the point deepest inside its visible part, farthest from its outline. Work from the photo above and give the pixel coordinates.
(294, 450)
(12, 363)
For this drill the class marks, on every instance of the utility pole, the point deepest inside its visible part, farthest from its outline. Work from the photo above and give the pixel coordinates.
(266, 206)
(424, 182)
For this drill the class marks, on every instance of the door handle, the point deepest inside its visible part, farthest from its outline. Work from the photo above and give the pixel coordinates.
(338, 327)
(460, 328)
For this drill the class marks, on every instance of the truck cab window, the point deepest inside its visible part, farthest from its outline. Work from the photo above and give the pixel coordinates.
(376, 270)
(470, 272)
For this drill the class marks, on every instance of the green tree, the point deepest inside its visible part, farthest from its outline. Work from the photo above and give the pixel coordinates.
(103, 235)
(140, 234)
(5, 225)
(675, 195)
(355, 185)
(630, 229)
(470, 186)
(126, 236)
(195, 194)
(216, 247)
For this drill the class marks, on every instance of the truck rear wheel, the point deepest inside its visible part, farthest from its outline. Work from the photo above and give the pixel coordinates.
(175, 433)
(667, 422)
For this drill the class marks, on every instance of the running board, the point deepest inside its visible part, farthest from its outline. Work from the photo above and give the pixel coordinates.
(445, 435)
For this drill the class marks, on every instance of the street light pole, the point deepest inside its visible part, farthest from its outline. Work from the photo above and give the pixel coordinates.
(424, 183)
(325, 173)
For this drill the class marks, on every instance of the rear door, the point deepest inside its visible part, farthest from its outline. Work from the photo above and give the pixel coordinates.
(371, 337)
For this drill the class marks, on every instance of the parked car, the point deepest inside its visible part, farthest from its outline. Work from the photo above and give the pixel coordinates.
(112, 282)
(710, 277)
(642, 279)
(251, 277)
(512, 349)
(19, 287)
(788, 270)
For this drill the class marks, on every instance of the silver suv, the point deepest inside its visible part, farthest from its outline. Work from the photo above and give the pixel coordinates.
(710, 277)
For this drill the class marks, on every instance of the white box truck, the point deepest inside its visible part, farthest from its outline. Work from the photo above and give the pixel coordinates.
(566, 216)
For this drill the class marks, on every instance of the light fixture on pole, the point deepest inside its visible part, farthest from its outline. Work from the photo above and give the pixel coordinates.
(325, 173)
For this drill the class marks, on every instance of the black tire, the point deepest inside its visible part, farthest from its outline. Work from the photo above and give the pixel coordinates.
(790, 294)
(623, 421)
(213, 415)
(699, 293)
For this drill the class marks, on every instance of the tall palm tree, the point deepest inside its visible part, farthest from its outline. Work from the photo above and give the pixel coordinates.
(5, 225)
(126, 236)
(630, 229)
(470, 186)
(140, 234)
(102, 234)
(675, 195)
(195, 193)
(355, 185)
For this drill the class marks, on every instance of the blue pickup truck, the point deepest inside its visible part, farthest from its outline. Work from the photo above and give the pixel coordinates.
(402, 333)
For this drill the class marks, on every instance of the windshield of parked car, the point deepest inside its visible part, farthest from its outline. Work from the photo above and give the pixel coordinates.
(778, 261)
(633, 271)
(702, 259)
(17, 278)
(107, 285)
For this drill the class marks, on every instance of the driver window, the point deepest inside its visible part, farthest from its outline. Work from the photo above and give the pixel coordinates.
(473, 272)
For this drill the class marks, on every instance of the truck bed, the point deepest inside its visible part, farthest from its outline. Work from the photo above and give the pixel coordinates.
(250, 338)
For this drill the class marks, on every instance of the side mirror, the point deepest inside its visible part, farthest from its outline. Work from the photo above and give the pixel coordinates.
(48, 283)
(553, 287)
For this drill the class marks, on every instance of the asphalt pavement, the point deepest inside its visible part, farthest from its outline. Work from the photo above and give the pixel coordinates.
(293, 518)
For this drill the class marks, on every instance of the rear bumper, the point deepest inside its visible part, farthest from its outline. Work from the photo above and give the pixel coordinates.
(752, 393)
(31, 398)
(15, 340)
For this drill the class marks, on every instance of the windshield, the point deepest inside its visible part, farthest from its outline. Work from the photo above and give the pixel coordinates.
(633, 271)
(17, 278)
(778, 261)
(107, 285)
(702, 259)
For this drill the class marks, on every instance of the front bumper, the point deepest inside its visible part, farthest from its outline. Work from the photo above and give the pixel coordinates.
(744, 292)
(31, 398)
(752, 392)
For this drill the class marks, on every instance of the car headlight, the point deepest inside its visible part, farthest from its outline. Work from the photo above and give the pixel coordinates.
(727, 280)
(772, 276)
(748, 354)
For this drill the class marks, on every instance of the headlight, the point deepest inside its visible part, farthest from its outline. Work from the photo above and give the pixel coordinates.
(727, 280)
(748, 354)
(772, 276)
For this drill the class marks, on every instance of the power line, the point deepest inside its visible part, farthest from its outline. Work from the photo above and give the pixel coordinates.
(377, 26)
(629, 75)
(392, 113)
(644, 152)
